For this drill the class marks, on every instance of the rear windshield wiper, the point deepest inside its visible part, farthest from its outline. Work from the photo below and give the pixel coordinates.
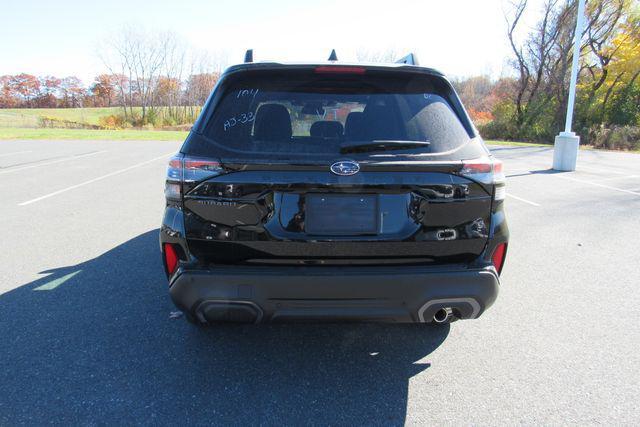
(381, 145)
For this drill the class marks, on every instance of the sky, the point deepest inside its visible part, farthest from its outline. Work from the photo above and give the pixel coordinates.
(458, 37)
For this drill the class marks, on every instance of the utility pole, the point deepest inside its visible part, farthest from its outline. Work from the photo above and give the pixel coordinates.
(565, 149)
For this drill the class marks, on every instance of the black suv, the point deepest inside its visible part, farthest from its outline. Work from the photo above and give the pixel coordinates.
(333, 192)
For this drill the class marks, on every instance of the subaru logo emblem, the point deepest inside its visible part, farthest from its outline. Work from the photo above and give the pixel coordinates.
(345, 168)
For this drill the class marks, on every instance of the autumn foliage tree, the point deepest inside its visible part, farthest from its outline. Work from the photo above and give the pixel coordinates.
(532, 105)
(7, 97)
(610, 90)
(199, 87)
(24, 87)
(104, 90)
(28, 91)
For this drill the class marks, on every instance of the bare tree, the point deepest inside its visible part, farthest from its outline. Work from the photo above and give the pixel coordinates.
(140, 57)
(377, 55)
(543, 59)
(156, 70)
(204, 72)
(539, 57)
(169, 85)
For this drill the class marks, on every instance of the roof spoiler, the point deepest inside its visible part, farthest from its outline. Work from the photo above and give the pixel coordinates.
(410, 59)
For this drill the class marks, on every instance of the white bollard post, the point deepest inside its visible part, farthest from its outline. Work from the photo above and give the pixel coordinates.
(565, 148)
(565, 151)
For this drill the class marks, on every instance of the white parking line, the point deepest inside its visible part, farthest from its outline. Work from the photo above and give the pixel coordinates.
(613, 178)
(55, 193)
(589, 168)
(523, 200)
(597, 184)
(66, 159)
(14, 153)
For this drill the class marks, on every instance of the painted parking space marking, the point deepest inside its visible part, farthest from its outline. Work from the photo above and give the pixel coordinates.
(523, 200)
(614, 178)
(600, 170)
(82, 184)
(597, 184)
(14, 153)
(66, 159)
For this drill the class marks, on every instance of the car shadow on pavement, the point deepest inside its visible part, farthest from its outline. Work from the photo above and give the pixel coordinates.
(95, 343)
(538, 172)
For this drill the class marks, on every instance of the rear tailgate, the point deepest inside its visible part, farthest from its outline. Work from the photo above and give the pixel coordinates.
(272, 215)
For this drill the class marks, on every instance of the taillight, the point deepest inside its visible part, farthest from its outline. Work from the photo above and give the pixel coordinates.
(497, 167)
(185, 169)
(174, 171)
(487, 171)
(196, 169)
(476, 167)
(498, 256)
(170, 258)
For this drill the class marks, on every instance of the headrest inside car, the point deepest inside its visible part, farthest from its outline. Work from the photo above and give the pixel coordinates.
(273, 123)
(326, 129)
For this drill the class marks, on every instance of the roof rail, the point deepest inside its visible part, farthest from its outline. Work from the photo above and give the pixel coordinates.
(248, 55)
(333, 56)
(410, 59)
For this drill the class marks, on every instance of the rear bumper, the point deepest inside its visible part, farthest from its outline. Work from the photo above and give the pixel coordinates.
(393, 294)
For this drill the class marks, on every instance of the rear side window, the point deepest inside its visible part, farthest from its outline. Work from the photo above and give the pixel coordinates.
(287, 115)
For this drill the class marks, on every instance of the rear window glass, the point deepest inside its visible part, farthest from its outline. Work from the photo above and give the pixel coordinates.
(307, 114)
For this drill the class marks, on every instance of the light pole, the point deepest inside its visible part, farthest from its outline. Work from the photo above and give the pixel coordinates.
(565, 149)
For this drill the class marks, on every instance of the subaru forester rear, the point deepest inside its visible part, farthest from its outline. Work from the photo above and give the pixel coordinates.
(333, 192)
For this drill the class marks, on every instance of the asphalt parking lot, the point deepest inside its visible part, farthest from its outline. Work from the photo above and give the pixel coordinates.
(87, 336)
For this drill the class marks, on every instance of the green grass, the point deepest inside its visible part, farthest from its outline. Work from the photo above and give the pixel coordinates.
(17, 117)
(28, 117)
(86, 134)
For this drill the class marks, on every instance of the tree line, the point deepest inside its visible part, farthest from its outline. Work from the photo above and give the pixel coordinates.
(179, 100)
(154, 77)
(106, 90)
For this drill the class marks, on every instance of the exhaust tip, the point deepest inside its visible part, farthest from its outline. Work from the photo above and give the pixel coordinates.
(442, 315)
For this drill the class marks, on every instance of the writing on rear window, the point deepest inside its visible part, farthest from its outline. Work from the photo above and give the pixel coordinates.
(291, 114)
(247, 92)
(239, 119)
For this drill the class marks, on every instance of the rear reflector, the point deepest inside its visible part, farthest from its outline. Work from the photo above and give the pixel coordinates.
(170, 258)
(499, 254)
(331, 69)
